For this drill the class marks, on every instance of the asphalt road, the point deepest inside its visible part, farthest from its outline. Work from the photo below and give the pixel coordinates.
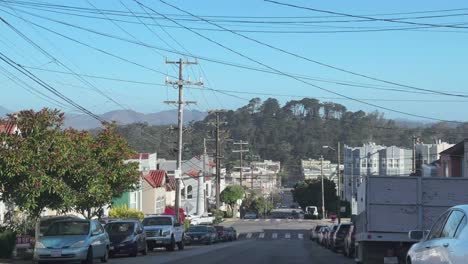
(263, 241)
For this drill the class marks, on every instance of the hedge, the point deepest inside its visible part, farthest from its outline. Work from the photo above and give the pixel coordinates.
(7, 244)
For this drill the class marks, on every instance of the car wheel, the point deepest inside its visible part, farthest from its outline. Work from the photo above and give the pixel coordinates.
(105, 258)
(408, 260)
(145, 250)
(181, 245)
(171, 247)
(89, 257)
(134, 252)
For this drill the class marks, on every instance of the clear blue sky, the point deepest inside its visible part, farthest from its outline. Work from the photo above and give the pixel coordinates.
(427, 58)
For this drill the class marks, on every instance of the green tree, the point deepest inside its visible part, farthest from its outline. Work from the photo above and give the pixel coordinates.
(100, 172)
(256, 202)
(47, 167)
(33, 163)
(309, 192)
(231, 194)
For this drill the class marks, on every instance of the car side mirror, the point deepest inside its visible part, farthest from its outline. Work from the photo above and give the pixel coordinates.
(416, 234)
(139, 231)
(95, 233)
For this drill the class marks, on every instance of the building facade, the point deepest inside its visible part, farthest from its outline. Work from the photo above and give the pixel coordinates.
(454, 161)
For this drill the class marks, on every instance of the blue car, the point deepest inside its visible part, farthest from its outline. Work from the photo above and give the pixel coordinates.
(72, 240)
(127, 237)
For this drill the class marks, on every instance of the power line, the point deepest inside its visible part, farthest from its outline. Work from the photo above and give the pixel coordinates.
(37, 80)
(359, 29)
(300, 80)
(205, 58)
(368, 18)
(311, 60)
(216, 18)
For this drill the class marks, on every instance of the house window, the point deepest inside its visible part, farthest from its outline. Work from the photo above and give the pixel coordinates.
(189, 192)
(182, 193)
(160, 204)
(133, 200)
(397, 163)
(390, 163)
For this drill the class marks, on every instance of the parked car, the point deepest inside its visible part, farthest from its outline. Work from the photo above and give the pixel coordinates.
(44, 222)
(222, 233)
(250, 215)
(446, 242)
(73, 240)
(127, 237)
(337, 241)
(105, 221)
(349, 242)
(322, 235)
(202, 220)
(232, 233)
(163, 231)
(329, 236)
(201, 234)
(314, 232)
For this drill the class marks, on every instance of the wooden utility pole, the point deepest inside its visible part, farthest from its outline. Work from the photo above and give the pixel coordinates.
(323, 189)
(241, 151)
(338, 173)
(180, 122)
(218, 156)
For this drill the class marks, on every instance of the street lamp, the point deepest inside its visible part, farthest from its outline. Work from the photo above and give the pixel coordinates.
(338, 206)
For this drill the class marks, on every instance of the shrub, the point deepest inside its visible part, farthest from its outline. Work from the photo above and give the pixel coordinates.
(7, 244)
(122, 212)
(218, 215)
(186, 224)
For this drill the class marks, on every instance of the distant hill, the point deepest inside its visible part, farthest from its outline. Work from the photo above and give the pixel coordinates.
(124, 117)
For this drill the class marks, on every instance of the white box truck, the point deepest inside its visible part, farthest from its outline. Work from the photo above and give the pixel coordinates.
(389, 207)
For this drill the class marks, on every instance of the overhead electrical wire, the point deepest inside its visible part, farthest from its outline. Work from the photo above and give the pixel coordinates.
(293, 77)
(51, 89)
(312, 60)
(367, 18)
(191, 55)
(348, 30)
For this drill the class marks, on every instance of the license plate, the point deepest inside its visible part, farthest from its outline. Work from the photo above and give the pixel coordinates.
(195, 238)
(159, 242)
(56, 253)
(111, 248)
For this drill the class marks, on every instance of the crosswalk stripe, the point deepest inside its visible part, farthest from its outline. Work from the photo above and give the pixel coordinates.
(300, 236)
(262, 235)
(274, 236)
(267, 220)
(278, 220)
(256, 220)
(249, 235)
(287, 236)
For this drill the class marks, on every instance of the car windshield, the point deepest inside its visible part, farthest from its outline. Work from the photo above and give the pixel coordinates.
(156, 221)
(120, 228)
(68, 228)
(198, 229)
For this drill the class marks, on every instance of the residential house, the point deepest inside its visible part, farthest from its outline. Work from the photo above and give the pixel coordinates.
(197, 178)
(428, 156)
(154, 192)
(454, 161)
(260, 175)
(395, 161)
(359, 162)
(313, 169)
(134, 200)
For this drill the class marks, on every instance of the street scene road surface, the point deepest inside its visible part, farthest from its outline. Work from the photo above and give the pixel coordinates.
(263, 241)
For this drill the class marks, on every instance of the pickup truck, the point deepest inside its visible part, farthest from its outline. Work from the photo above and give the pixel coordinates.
(163, 231)
(201, 220)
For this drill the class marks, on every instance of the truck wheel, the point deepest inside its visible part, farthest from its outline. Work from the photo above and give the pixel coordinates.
(171, 247)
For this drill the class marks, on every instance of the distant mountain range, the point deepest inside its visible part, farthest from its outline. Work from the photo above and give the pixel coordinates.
(4, 111)
(124, 117)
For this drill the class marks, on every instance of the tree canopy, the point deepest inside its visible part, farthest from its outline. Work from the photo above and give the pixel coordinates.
(231, 194)
(45, 166)
(309, 193)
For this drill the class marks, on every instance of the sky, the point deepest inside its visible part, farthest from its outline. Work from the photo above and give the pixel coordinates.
(424, 58)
